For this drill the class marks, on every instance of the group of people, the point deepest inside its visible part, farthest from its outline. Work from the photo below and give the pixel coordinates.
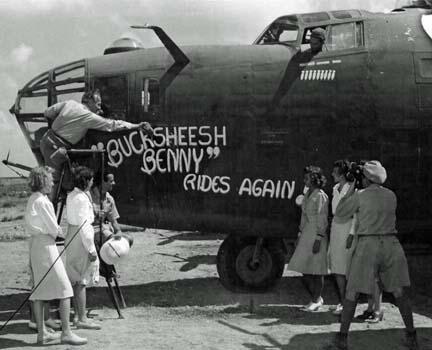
(54, 278)
(89, 208)
(362, 250)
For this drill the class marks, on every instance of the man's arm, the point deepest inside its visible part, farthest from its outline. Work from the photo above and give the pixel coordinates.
(96, 122)
(113, 215)
(348, 206)
(116, 226)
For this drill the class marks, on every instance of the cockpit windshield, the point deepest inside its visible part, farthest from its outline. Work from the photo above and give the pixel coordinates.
(280, 33)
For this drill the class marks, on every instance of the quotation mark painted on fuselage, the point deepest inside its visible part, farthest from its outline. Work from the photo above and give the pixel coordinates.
(213, 152)
(318, 74)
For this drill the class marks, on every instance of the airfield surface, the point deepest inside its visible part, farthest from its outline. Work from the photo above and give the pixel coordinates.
(175, 301)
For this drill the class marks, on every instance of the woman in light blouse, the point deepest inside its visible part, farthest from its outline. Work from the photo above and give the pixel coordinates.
(41, 224)
(82, 263)
(341, 228)
(310, 255)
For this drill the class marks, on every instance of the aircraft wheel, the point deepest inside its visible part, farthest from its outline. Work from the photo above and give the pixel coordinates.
(238, 272)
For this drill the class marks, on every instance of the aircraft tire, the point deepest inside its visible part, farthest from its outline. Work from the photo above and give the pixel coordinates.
(234, 271)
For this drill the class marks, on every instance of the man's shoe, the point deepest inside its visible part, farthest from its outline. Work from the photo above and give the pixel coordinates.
(365, 315)
(411, 340)
(376, 317)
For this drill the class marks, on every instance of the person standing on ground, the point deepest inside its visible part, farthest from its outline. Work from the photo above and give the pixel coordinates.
(339, 254)
(41, 224)
(104, 207)
(82, 262)
(378, 253)
(310, 255)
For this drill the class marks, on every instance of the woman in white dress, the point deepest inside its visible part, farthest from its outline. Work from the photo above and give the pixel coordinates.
(41, 224)
(82, 263)
(341, 228)
(310, 255)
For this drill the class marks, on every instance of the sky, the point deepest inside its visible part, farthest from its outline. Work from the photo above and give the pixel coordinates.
(37, 35)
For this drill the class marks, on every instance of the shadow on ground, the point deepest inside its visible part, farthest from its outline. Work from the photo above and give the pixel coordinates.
(181, 292)
(200, 292)
(192, 262)
(7, 343)
(281, 302)
(381, 339)
(189, 236)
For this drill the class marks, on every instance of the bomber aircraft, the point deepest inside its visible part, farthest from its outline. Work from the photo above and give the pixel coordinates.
(234, 126)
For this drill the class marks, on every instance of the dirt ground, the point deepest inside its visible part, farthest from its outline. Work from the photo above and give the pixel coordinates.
(175, 301)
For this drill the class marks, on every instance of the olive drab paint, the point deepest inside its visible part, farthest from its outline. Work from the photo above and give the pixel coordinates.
(234, 126)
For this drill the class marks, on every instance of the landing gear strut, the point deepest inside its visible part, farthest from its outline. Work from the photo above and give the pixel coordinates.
(250, 264)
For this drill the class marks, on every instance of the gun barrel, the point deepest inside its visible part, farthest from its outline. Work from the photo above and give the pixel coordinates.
(16, 165)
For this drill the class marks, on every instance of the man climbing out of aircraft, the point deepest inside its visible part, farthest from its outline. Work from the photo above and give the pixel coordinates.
(378, 253)
(70, 122)
(295, 66)
(317, 40)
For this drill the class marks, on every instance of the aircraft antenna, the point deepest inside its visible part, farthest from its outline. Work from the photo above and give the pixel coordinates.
(178, 55)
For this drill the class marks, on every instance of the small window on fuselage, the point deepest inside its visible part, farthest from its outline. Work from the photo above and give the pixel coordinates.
(345, 36)
(150, 96)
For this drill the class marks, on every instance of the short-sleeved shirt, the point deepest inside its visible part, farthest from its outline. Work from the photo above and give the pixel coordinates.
(72, 120)
(108, 206)
(375, 207)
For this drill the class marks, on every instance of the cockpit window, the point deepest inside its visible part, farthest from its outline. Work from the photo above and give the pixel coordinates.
(280, 33)
(345, 36)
